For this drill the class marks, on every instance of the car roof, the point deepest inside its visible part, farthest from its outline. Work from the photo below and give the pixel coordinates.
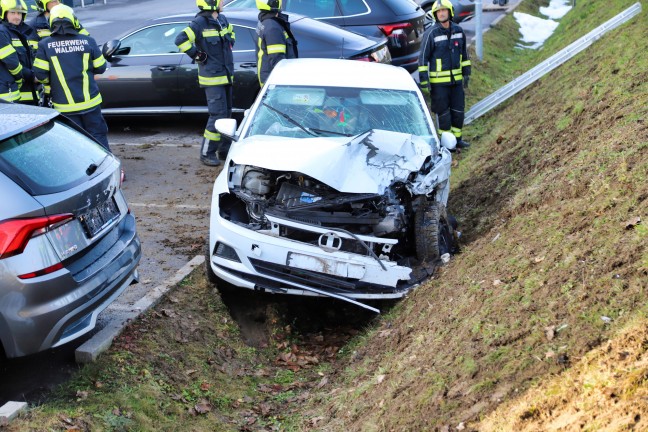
(17, 118)
(251, 15)
(341, 73)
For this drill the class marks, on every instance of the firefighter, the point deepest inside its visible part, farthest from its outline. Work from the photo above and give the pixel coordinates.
(67, 61)
(275, 41)
(208, 40)
(40, 23)
(444, 69)
(23, 41)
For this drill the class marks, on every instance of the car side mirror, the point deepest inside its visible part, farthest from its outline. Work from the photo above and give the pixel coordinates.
(448, 140)
(110, 47)
(227, 127)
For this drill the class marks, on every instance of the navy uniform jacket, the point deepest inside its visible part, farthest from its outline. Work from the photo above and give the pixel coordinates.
(40, 24)
(275, 42)
(214, 37)
(443, 60)
(25, 41)
(11, 73)
(68, 63)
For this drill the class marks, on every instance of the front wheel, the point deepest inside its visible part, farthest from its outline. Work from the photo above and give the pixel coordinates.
(434, 232)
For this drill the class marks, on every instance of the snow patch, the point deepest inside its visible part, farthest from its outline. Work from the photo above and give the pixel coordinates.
(534, 30)
(556, 9)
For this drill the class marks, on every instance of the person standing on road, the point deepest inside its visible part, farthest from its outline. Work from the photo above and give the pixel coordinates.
(444, 69)
(21, 39)
(67, 61)
(209, 40)
(275, 41)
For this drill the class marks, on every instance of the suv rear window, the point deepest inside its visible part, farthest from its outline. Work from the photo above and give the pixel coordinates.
(50, 158)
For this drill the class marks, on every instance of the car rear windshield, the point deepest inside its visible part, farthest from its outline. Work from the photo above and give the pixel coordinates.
(50, 158)
(401, 7)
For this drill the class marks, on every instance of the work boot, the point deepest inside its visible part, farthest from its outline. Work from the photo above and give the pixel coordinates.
(461, 144)
(222, 154)
(210, 160)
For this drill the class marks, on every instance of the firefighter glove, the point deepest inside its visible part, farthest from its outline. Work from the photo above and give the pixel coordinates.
(466, 78)
(201, 57)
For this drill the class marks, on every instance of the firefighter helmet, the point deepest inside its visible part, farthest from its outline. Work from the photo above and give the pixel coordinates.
(442, 4)
(61, 12)
(41, 5)
(12, 6)
(208, 5)
(269, 5)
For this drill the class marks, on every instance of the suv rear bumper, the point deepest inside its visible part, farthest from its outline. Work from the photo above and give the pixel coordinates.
(28, 326)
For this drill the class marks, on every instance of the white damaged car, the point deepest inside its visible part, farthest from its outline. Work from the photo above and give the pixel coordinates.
(335, 185)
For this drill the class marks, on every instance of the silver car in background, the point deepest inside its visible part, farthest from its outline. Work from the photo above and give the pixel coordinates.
(68, 243)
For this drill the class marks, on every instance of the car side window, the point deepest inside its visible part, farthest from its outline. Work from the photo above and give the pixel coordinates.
(353, 7)
(158, 39)
(245, 39)
(314, 8)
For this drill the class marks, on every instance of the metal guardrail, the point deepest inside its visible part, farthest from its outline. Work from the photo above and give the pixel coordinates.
(527, 78)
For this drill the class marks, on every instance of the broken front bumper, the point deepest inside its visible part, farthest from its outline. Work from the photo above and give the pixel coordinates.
(266, 261)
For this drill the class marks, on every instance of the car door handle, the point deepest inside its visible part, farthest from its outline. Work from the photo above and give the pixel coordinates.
(166, 68)
(248, 65)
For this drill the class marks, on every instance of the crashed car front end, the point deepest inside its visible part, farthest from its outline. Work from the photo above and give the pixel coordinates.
(334, 218)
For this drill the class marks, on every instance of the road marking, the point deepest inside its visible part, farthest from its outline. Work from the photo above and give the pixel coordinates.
(90, 24)
(155, 145)
(175, 206)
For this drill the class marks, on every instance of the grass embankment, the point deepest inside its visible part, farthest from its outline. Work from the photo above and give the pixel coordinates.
(547, 197)
(554, 263)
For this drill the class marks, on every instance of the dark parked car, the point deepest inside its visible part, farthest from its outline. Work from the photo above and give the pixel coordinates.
(463, 9)
(402, 21)
(147, 74)
(68, 244)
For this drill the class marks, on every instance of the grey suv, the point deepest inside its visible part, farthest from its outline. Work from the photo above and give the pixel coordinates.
(68, 244)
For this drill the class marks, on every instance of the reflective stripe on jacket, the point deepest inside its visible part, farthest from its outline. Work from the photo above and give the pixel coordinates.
(275, 42)
(214, 37)
(68, 63)
(443, 60)
(10, 67)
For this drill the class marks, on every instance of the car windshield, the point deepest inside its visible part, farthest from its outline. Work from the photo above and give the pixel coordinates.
(50, 158)
(300, 112)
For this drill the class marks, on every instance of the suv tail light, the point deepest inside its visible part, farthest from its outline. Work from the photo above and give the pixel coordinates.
(388, 29)
(16, 233)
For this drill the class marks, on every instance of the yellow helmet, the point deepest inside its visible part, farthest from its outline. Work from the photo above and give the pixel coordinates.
(208, 5)
(12, 6)
(269, 5)
(41, 5)
(442, 4)
(61, 12)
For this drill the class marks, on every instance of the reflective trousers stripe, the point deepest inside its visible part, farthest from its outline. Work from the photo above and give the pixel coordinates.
(456, 131)
(212, 136)
(219, 80)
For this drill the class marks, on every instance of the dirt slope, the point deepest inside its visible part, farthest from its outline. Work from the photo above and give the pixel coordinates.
(554, 261)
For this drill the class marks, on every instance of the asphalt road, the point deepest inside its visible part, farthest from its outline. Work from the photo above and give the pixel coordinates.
(167, 187)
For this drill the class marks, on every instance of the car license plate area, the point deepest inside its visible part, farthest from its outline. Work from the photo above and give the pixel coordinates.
(325, 265)
(99, 217)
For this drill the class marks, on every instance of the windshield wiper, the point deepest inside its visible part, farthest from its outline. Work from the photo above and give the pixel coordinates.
(287, 117)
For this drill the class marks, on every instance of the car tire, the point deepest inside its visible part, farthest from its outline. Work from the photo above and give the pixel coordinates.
(211, 276)
(434, 232)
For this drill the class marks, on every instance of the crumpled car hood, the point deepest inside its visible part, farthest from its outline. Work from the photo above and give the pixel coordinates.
(368, 163)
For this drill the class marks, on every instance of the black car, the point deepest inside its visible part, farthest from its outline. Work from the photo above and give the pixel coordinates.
(147, 74)
(402, 21)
